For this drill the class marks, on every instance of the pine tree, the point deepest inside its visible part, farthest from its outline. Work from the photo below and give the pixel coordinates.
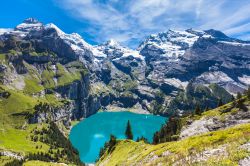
(112, 141)
(168, 132)
(220, 103)
(102, 151)
(232, 98)
(197, 110)
(110, 145)
(128, 131)
(156, 138)
(240, 103)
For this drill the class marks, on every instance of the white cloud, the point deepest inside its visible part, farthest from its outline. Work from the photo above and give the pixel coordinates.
(238, 29)
(244, 37)
(133, 19)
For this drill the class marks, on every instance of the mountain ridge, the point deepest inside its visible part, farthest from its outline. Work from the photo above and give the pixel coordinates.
(210, 32)
(54, 79)
(165, 63)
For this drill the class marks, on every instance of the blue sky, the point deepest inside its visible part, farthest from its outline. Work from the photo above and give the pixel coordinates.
(130, 21)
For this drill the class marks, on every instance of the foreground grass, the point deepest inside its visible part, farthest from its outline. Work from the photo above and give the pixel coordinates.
(219, 112)
(134, 153)
(5, 159)
(19, 141)
(41, 163)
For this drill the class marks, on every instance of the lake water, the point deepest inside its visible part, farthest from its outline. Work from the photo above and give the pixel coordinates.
(89, 135)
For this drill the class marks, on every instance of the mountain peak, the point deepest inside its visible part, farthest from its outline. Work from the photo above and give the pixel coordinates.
(31, 21)
(28, 25)
(112, 43)
(216, 34)
(195, 32)
(53, 26)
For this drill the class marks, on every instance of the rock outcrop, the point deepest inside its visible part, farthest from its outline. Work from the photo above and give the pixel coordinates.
(213, 123)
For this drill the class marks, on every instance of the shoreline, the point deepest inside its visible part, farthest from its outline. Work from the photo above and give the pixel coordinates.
(121, 109)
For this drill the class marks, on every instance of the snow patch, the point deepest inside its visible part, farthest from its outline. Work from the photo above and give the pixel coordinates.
(245, 79)
(172, 43)
(5, 30)
(98, 54)
(53, 26)
(112, 42)
(133, 53)
(113, 48)
(234, 43)
(26, 27)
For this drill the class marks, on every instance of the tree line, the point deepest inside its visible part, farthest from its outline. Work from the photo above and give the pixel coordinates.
(170, 131)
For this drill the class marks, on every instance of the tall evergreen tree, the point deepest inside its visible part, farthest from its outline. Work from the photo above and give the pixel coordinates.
(168, 132)
(156, 138)
(128, 132)
(112, 142)
(197, 110)
(240, 103)
(232, 98)
(108, 146)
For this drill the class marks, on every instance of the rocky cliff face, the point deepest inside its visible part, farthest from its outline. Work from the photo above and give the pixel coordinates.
(186, 55)
(42, 61)
(170, 72)
(176, 70)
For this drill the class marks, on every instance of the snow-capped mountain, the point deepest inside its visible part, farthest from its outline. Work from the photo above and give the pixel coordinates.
(51, 36)
(163, 69)
(115, 50)
(74, 41)
(171, 44)
(23, 29)
(188, 54)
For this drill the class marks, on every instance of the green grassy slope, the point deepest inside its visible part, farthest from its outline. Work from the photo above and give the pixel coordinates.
(19, 137)
(41, 163)
(138, 153)
(25, 87)
(189, 151)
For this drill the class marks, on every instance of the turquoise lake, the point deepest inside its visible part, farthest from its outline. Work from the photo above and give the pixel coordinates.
(89, 135)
